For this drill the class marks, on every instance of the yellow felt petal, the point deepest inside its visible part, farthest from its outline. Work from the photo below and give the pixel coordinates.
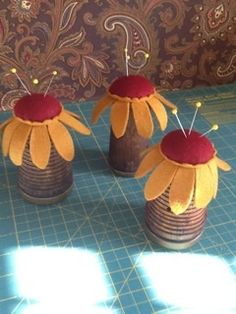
(159, 180)
(40, 146)
(165, 101)
(204, 186)
(152, 159)
(7, 135)
(100, 107)
(5, 123)
(222, 164)
(119, 118)
(62, 140)
(72, 114)
(214, 171)
(181, 190)
(143, 119)
(159, 111)
(73, 123)
(18, 142)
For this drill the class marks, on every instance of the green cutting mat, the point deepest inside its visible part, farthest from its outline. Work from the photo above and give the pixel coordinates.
(217, 107)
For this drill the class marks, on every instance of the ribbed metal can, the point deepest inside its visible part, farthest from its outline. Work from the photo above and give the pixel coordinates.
(170, 230)
(125, 153)
(46, 186)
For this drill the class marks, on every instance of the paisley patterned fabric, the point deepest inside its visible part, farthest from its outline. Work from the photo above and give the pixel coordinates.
(190, 43)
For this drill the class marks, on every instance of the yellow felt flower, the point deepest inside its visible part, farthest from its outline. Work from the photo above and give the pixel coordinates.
(39, 134)
(187, 166)
(133, 94)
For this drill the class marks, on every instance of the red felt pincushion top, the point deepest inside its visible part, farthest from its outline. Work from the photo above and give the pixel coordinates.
(191, 150)
(132, 86)
(37, 108)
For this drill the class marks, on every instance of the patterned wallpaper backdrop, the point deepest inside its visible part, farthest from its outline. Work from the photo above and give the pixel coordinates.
(190, 43)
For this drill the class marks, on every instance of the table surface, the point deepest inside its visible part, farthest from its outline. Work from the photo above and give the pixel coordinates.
(89, 253)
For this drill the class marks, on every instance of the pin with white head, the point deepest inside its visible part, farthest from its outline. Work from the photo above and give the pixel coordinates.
(54, 73)
(198, 105)
(35, 81)
(127, 58)
(146, 56)
(214, 127)
(175, 113)
(14, 71)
